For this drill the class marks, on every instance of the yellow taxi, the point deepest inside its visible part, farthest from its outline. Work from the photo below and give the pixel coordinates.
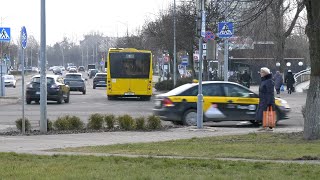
(222, 101)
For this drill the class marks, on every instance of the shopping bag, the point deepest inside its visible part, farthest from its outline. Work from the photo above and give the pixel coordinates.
(269, 118)
(282, 87)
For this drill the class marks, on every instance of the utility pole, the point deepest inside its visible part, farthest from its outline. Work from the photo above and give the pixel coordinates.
(93, 55)
(81, 56)
(174, 46)
(226, 50)
(87, 56)
(202, 35)
(43, 78)
(31, 56)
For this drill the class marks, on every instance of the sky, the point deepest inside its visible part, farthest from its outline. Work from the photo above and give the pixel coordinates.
(74, 18)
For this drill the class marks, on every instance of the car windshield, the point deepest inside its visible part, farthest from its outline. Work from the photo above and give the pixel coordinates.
(37, 80)
(73, 76)
(180, 89)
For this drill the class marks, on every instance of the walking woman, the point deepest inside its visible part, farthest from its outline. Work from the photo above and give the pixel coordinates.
(278, 81)
(266, 93)
(290, 81)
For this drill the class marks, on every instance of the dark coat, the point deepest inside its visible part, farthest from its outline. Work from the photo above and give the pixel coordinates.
(266, 96)
(278, 81)
(289, 80)
(245, 77)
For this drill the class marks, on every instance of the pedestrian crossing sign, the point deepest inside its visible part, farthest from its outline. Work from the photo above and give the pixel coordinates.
(225, 29)
(5, 34)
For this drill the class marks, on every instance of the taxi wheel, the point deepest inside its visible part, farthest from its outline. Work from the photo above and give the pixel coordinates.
(190, 117)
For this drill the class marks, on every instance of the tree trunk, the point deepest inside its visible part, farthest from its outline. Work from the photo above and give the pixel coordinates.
(279, 34)
(312, 114)
(191, 63)
(205, 69)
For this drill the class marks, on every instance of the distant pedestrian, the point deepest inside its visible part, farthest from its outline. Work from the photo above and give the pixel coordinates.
(289, 80)
(245, 78)
(266, 93)
(278, 81)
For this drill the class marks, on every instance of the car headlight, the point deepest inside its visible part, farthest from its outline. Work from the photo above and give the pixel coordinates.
(55, 86)
(30, 86)
(283, 102)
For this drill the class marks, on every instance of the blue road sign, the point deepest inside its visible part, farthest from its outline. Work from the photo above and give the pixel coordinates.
(5, 34)
(24, 37)
(225, 29)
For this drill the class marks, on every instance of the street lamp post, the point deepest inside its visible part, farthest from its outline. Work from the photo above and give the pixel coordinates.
(43, 78)
(174, 46)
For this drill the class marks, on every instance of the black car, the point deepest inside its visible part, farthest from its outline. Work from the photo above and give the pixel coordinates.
(75, 82)
(99, 80)
(56, 89)
(81, 68)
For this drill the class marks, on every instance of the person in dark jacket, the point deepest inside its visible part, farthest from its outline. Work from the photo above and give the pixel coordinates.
(278, 81)
(266, 93)
(245, 79)
(289, 80)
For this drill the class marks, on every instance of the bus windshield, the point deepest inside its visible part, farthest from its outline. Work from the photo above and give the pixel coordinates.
(130, 65)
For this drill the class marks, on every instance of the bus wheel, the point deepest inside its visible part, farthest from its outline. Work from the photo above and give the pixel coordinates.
(111, 98)
(145, 98)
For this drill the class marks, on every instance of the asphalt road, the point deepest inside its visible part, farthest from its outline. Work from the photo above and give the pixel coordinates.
(95, 101)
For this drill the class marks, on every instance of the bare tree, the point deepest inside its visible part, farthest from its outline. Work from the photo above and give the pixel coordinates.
(279, 8)
(312, 113)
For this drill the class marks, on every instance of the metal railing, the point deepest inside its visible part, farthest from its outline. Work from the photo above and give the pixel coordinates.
(302, 76)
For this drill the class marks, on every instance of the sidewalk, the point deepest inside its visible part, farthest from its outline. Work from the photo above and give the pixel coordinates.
(36, 143)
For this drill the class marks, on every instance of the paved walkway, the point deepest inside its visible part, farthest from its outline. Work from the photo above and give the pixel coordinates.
(24, 144)
(41, 144)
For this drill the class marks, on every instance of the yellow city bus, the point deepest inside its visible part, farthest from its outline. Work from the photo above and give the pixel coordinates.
(129, 73)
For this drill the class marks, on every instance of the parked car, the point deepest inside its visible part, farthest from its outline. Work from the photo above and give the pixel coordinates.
(56, 89)
(81, 68)
(9, 81)
(222, 101)
(73, 70)
(99, 80)
(57, 71)
(92, 73)
(76, 82)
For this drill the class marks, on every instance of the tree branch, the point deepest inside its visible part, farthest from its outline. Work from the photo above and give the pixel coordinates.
(293, 22)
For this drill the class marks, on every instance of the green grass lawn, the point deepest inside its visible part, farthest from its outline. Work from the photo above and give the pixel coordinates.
(14, 166)
(255, 146)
